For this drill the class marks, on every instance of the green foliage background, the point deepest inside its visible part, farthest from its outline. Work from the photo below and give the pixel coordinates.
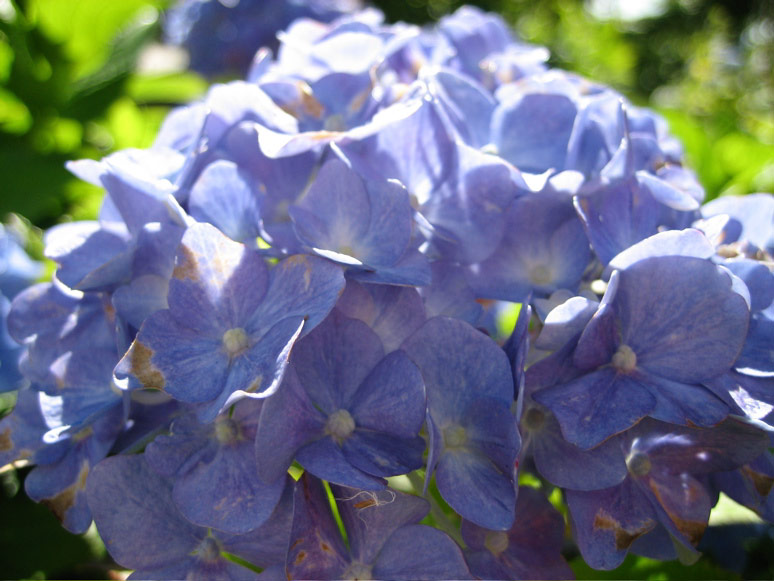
(78, 78)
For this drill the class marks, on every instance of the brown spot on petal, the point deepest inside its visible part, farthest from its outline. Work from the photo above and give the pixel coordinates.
(62, 502)
(762, 483)
(185, 266)
(296, 543)
(326, 548)
(5, 440)
(300, 558)
(692, 529)
(142, 367)
(623, 537)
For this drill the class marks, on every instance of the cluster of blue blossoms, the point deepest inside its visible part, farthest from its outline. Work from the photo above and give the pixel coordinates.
(222, 36)
(307, 270)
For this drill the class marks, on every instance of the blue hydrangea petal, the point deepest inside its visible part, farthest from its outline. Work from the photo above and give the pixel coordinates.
(225, 493)
(370, 517)
(754, 212)
(534, 543)
(595, 406)
(491, 430)
(688, 242)
(325, 459)
(681, 317)
(141, 298)
(316, 549)
(391, 398)
(215, 278)
(145, 531)
(458, 364)
(268, 544)
(467, 104)
(59, 481)
(758, 279)
(468, 210)
(601, 336)
(334, 360)
(666, 193)
(544, 249)
(176, 358)
(21, 431)
(412, 269)
(567, 466)
(532, 131)
(389, 147)
(288, 421)
(383, 454)
(227, 197)
(606, 522)
(336, 211)
(182, 449)
(91, 255)
(392, 312)
(687, 449)
(476, 488)
(682, 403)
(299, 286)
(616, 216)
(420, 552)
(450, 295)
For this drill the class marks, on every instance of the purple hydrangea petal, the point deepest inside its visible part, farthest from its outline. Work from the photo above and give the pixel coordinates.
(606, 522)
(227, 197)
(595, 406)
(391, 398)
(370, 517)
(420, 552)
(392, 312)
(326, 459)
(476, 488)
(145, 530)
(316, 549)
(288, 421)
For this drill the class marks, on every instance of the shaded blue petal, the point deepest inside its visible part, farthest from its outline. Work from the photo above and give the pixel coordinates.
(316, 549)
(476, 489)
(370, 517)
(420, 552)
(382, 454)
(607, 522)
(145, 530)
(227, 197)
(596, 406)
(391, 398)
(325, 459)
(334, 359)
(288, 421)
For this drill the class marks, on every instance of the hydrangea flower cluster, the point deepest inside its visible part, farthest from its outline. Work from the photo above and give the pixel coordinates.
(17, 271)
(221, 36)
(306, 275)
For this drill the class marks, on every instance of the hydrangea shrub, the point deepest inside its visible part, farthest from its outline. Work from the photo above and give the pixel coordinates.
(306, 275)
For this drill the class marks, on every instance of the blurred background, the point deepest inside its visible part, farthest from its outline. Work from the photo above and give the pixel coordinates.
(83, 78)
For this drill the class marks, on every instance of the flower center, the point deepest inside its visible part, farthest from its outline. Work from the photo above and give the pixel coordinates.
(638, 464)
(625, 359)
(496, 542)
(208, 550)
(235, 341)
(534, 419)
(340, 425)
(540, 275)
(455, 436)
(226, 430)
(357, 572)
